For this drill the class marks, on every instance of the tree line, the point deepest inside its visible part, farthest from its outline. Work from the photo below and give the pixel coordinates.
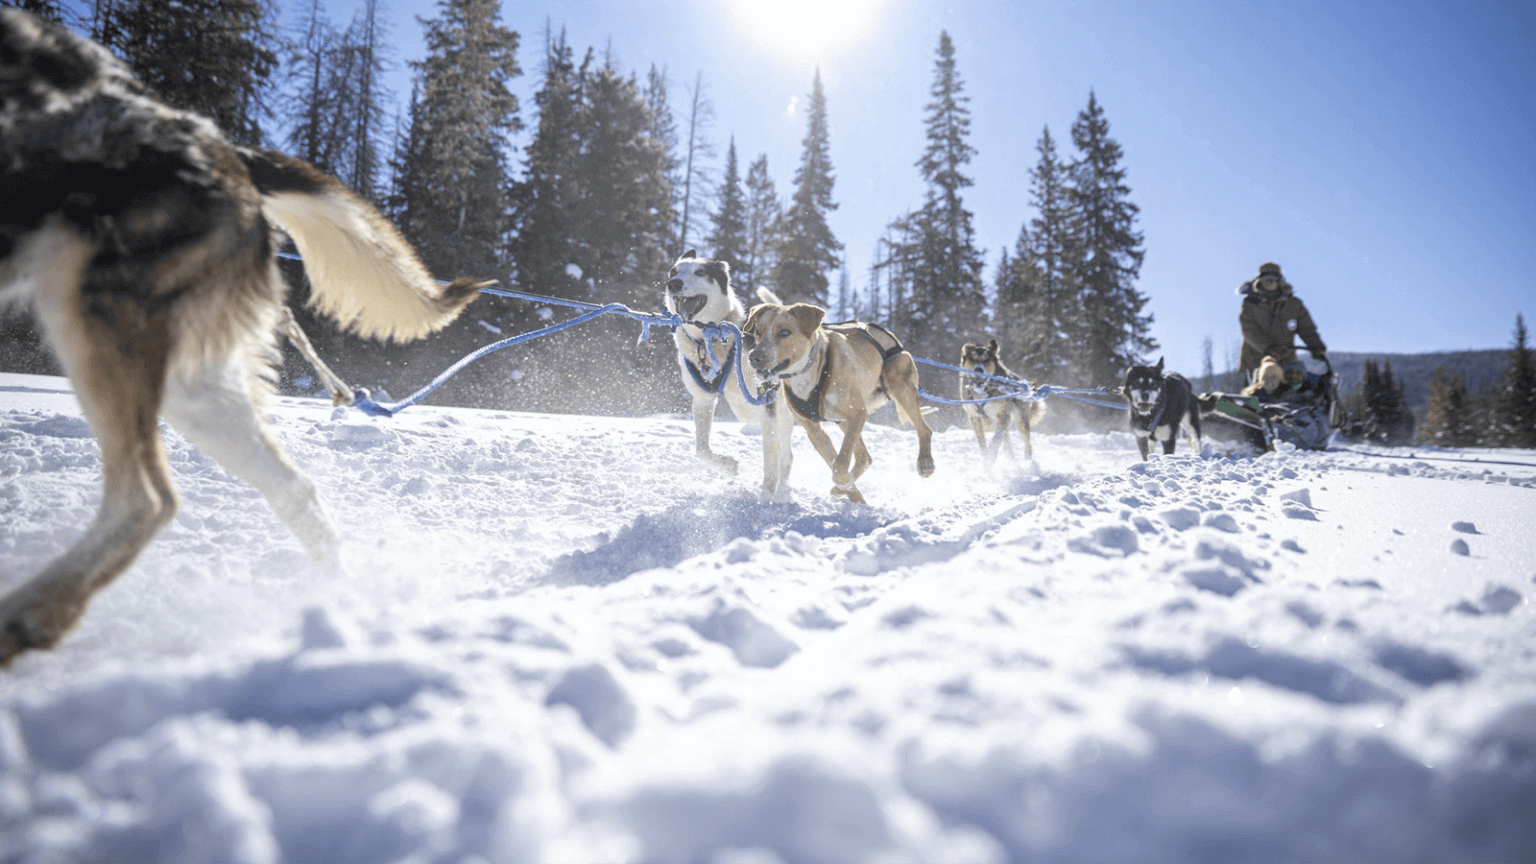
(617, 177)
(1503, 415)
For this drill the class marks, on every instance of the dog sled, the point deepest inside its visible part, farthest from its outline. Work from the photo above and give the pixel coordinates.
(1304, 415)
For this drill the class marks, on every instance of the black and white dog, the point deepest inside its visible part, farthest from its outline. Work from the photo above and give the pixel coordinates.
(1160, 404)
(699, 290)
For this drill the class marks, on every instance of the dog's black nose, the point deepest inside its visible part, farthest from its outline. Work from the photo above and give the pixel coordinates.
(674, 285)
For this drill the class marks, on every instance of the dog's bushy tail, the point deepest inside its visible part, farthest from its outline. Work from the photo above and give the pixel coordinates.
(362, 272)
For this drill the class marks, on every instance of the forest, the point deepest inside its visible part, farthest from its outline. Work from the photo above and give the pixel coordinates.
(589, 193)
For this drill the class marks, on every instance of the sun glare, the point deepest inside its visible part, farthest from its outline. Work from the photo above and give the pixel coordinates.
(806, 28)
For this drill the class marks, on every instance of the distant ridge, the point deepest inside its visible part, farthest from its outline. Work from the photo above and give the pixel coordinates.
(1481, 369)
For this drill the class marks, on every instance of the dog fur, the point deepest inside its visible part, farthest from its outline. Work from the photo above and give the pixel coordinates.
(700, 291)
(837, 372)
(1001, 414)
(144, 243)
(1161, 404)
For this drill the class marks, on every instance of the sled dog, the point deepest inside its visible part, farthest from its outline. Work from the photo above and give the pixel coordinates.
(837, 372)
(997, 415)
(700, 291)
(1160, 405)
(143, 242)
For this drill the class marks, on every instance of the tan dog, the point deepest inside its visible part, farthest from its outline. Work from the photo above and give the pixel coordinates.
(144, 244)
(998, 414)
(837, 372)
(1269, 377)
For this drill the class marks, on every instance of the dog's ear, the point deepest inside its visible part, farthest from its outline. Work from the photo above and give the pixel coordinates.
(751, 325)
(808, 316)
(967, 348)
(691, 253)
(1159, 364)
(992, 346)
(718, 271)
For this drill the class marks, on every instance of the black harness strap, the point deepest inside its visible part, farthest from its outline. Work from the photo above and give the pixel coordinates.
(718, 382)
(862, 328)
(810, 408)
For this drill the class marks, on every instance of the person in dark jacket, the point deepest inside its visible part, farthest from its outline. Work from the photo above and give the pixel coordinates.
(1271, 317)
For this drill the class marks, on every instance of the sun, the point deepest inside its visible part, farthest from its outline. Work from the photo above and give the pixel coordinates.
(806, 28)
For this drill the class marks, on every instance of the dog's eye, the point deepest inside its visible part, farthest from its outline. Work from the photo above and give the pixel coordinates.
(783, 334)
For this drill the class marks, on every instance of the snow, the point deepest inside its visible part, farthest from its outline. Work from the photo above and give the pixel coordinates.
(564, 638)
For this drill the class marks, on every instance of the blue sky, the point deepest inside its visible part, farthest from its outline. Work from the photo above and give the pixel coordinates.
(1384, 153)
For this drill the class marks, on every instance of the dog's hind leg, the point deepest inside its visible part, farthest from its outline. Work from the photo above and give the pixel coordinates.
(214, 407)
(115, 354)
(900, 377)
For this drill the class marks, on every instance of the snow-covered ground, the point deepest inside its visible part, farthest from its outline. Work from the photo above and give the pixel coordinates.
(563, 638)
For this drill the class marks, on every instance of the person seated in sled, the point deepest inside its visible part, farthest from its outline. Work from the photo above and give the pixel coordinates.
(1271, 317)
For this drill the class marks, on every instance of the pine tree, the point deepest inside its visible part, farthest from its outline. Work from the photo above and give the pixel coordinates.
(764, 216)
(544, 201)
(1109, 260)
(309, 105)
(1515, 423)
(697, 151)
(365, 96)
(947, 296)
(50, 9)
(1039, 305)
(619, 215)
(807, 249)
(728, 238)
(1448, 421)
(465, 114)
(664, 130)
(214, 57)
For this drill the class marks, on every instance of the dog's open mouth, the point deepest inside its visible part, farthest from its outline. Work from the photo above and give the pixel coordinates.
(689, 306)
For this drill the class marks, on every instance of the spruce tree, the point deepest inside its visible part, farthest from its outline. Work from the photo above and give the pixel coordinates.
(947, 296)
(807, 250)
(1109, 260)
(1448, 421)
(764, 216)
(1515, 423)
(545, 199)
(310, 105)
(465, 114)
(728, 239)
(214, 57)
(664, 130)
(1039, 307)
(622, 200)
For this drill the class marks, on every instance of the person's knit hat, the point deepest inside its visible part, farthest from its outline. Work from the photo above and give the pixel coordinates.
(1270, 268)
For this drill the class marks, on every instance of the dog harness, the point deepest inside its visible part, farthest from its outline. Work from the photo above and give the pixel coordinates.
(810, 407)
(709, 385)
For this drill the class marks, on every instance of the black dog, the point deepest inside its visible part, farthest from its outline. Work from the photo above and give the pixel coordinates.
(1160, 404)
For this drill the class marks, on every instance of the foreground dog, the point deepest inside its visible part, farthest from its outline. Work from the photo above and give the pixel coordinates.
(699, 290)
(1161, 404)
(995, 415)
(837, 372)
(144, 244)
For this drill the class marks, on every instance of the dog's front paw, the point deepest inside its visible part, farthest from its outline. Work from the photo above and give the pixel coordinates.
(925, 466)
(850, 492)
(724, 463)
(27, 623)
